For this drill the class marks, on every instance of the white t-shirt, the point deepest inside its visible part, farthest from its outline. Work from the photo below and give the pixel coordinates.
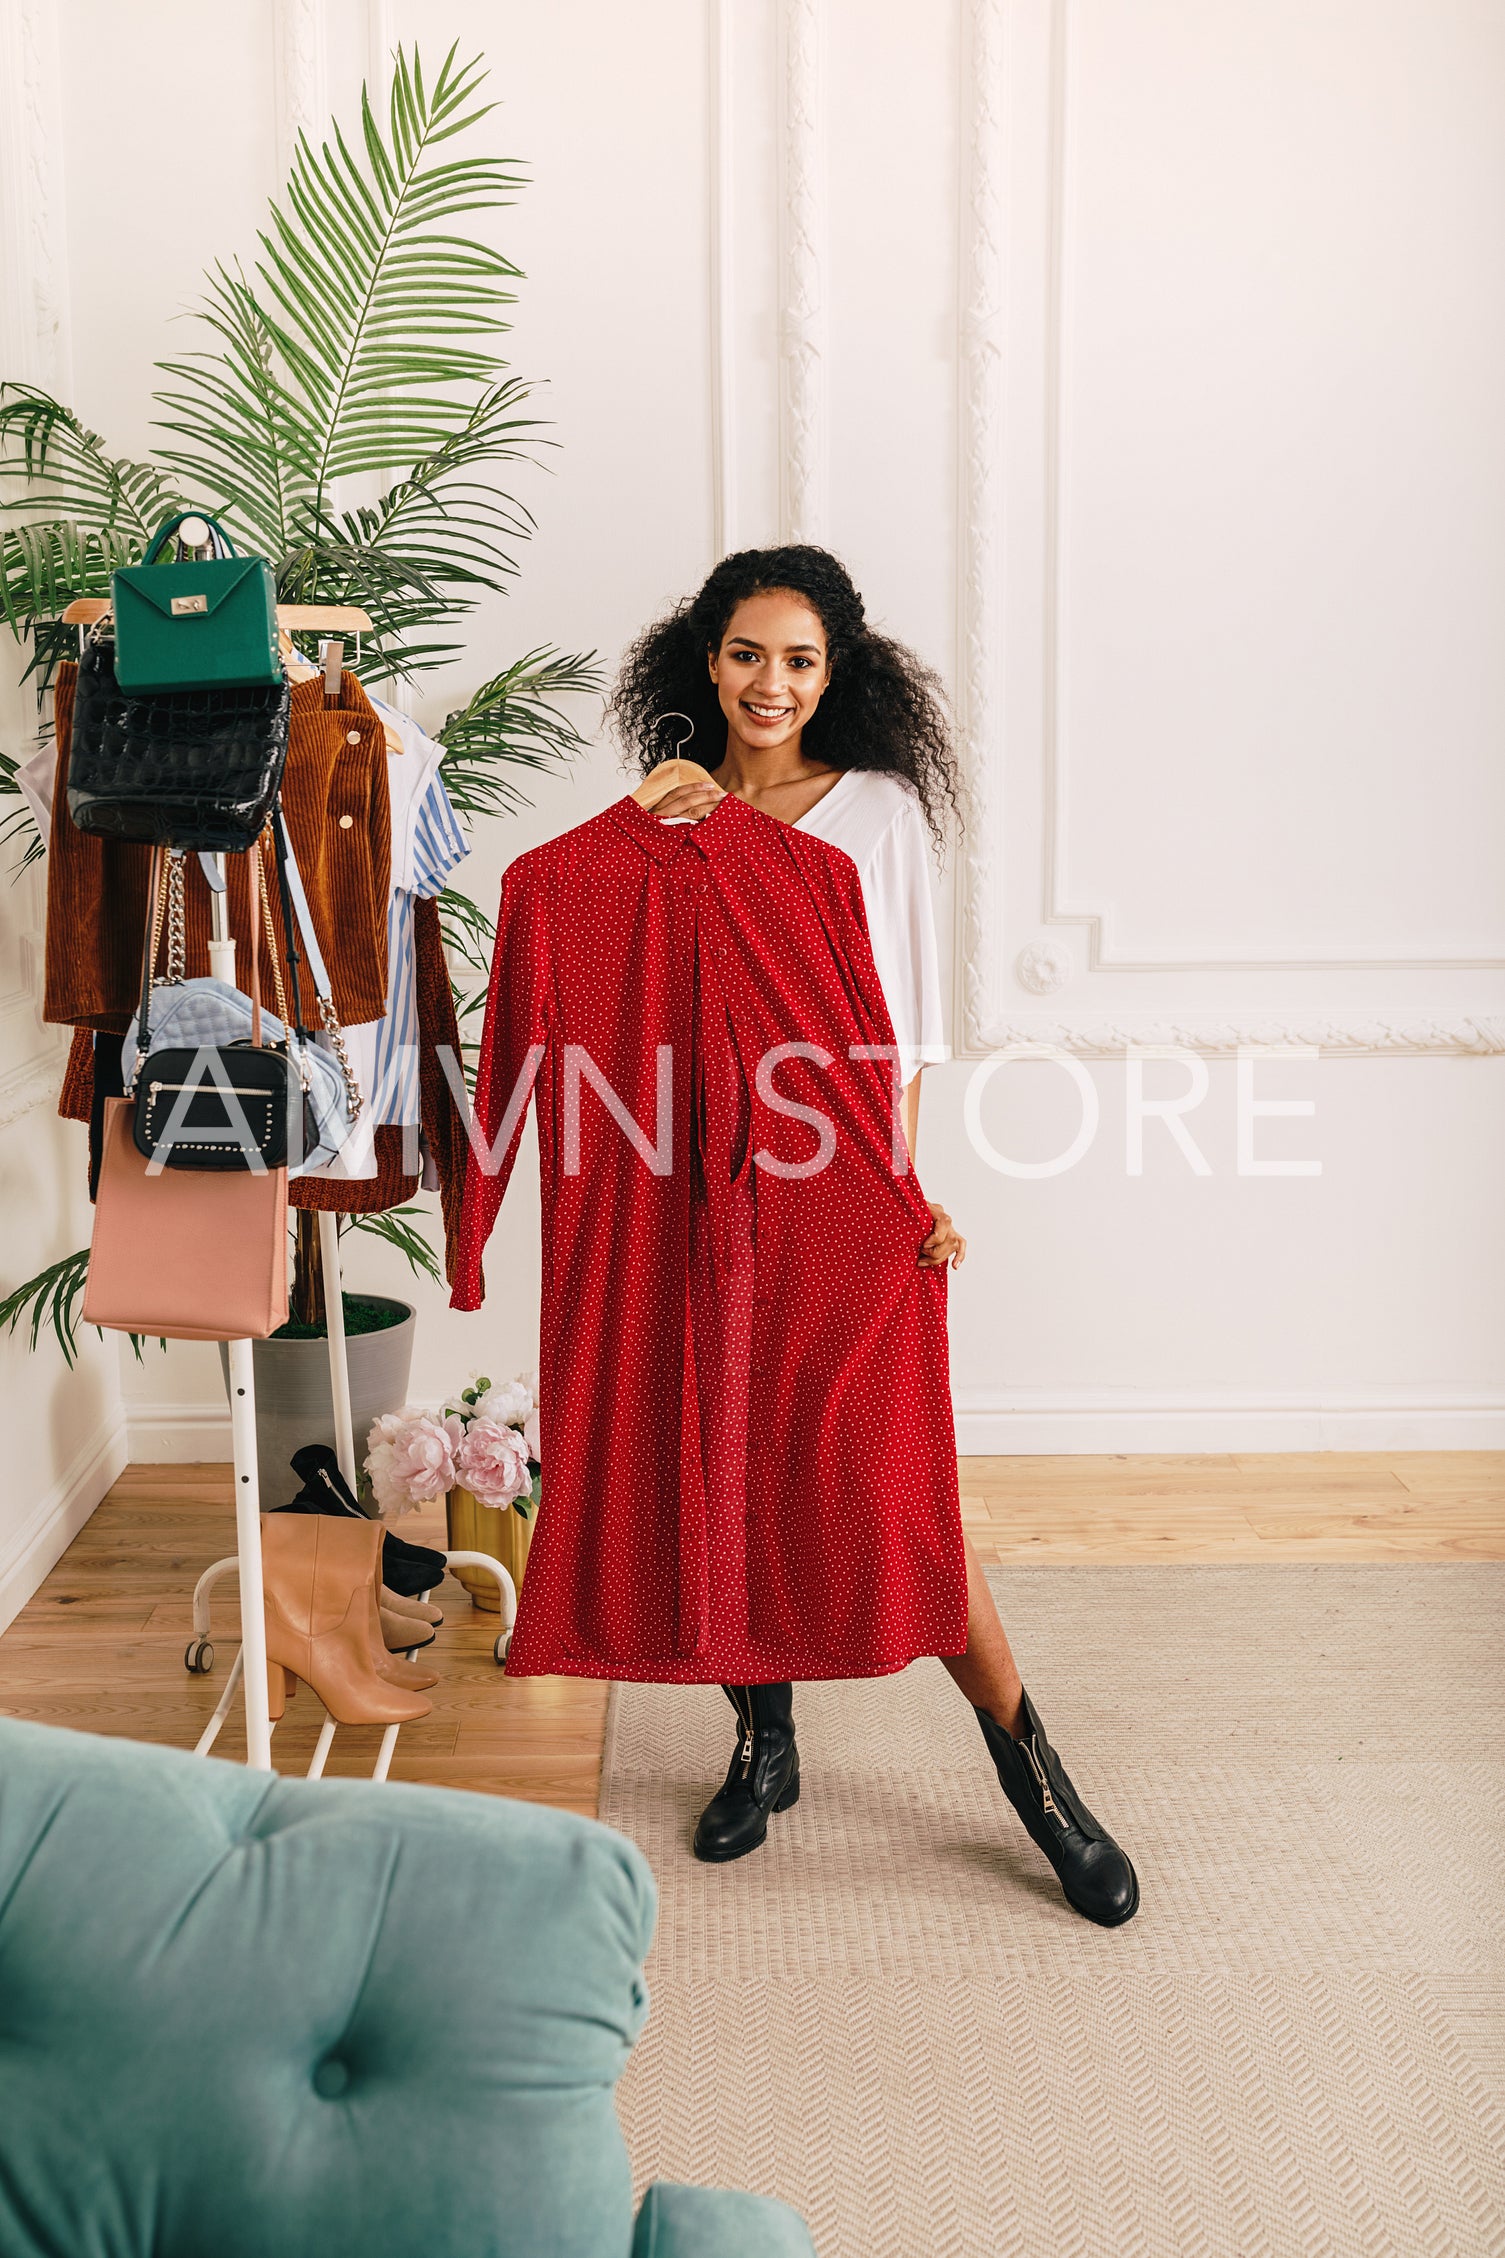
(877, 820)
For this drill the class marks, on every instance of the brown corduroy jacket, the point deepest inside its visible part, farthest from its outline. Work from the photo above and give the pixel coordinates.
(96, 910)
(334, 798)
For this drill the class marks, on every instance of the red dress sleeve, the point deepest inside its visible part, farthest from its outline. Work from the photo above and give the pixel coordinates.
(514, 1038)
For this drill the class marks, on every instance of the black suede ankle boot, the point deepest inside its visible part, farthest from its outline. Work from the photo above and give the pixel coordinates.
(764, 1774)
(1096, 1877)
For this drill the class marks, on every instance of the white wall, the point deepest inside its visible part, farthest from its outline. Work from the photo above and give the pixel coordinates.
(1143, 361)
(65, 1432)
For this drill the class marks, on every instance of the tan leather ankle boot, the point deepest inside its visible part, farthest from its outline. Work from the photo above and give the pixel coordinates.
(399, 1632)
(397, 1603)
(395, 1667)
(320, 1576)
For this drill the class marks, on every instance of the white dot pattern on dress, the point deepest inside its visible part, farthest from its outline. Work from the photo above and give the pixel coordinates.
(750, 1460)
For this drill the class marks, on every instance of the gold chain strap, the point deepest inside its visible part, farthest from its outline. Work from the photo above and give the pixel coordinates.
(336, 1034)
(177, 939)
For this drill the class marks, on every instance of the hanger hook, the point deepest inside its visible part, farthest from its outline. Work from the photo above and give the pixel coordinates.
(674, 715)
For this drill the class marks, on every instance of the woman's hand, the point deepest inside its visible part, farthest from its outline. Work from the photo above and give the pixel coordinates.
(693, 800)
(945, 1243)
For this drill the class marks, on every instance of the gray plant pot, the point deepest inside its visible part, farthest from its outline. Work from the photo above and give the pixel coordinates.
(294, 1405)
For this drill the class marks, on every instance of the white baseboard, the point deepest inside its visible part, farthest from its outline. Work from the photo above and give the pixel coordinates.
(56, 1519)
(178, 1434)
(1014, 1422)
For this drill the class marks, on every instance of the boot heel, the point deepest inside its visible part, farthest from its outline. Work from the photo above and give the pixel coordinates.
(1096, 1878)
(764, 1776)
(279, 1687)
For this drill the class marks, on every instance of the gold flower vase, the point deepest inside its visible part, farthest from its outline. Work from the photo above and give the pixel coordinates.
(504, 1534)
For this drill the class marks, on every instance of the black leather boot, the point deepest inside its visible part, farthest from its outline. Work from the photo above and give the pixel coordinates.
(764, 1775)
(1095, 1875)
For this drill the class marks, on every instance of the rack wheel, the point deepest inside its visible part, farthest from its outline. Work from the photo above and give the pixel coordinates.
(199, 1659)
(502, 1648)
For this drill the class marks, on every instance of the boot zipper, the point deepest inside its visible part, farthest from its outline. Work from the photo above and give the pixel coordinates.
(1047, 1800)
(747, 1743)
(334, 1489)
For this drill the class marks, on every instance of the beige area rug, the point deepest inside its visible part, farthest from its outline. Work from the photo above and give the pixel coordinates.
(889, 2017)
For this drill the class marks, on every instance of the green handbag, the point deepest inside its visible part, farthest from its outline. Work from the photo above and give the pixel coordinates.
(205, 626)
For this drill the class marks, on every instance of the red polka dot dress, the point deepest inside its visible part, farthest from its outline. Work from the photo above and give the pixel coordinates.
(749, 1458)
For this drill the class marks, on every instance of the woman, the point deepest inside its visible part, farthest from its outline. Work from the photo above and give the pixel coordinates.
(801, 709)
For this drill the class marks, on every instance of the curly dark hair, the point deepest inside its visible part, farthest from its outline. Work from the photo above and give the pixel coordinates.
(883, 708)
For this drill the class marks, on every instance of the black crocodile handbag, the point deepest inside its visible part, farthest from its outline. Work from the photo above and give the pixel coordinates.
(175, 768)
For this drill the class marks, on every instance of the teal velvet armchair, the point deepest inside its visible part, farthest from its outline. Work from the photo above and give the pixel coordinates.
(242, 2015)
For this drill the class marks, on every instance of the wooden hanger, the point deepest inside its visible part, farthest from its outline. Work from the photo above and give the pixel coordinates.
(670, 774)
(347, 619)
(300, 669)
(337, 618)
(667, 777)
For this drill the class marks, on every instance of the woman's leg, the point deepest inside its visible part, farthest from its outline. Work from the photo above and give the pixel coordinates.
(987, 1672)
(1098, 1879)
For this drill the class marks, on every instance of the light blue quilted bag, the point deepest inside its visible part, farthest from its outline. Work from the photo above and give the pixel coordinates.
(203, 1014)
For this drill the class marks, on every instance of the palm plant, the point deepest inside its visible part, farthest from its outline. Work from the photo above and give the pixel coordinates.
(346, 416)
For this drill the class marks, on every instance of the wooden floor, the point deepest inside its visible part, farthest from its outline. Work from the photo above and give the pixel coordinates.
(100, 1647)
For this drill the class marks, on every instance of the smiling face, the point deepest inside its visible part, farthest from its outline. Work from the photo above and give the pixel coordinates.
(770, 670)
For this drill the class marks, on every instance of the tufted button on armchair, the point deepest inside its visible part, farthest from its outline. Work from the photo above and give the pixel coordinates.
(242, 2015)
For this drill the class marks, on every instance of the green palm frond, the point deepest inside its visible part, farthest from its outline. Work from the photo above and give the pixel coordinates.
(399, 1226)
(69, 475)
(18, 826)
(362, 343)
(513, 722)
(51, 1298)
(343, 408)
(458, 525)
(359, 346)
(55, 1297)
(240, 437)
(468, 933)
(390, 588)
(43, 567)
(84, 511)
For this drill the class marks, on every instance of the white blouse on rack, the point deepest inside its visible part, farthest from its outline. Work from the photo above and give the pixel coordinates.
(877, 820)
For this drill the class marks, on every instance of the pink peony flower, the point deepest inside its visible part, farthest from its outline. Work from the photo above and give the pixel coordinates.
(411, 1459)
(492, 1462)
(531, 1436)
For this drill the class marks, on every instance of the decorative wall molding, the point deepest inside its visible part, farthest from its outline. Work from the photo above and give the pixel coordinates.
(988, 1014)
(802, 256)
(1103, 951)
(1044, 966)
(35, 347)
(28, 1087)
(1104, 955)
(37, 328)
(1105, 1035)
(722, 347)
(301, 77)
(381, 45)
(980, 508)
(34, 319)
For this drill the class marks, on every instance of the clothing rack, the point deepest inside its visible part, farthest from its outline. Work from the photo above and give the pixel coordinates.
(249, 1669)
